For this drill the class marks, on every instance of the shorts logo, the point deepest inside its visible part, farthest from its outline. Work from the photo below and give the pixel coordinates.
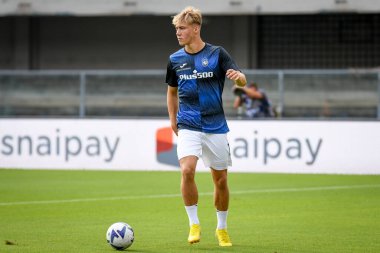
(166, 148)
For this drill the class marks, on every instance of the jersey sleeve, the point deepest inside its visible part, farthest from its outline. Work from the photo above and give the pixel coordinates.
(171, 77)
(226, 61)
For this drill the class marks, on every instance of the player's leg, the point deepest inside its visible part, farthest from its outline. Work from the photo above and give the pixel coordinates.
(188, 186)
(216, 155)
(189, 149)
(221, 201)
(221, 191)
(190, 196)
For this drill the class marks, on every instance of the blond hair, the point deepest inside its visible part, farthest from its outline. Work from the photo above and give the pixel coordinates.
(189, 15)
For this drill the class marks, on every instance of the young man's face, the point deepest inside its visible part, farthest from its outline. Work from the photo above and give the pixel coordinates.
(186, 33)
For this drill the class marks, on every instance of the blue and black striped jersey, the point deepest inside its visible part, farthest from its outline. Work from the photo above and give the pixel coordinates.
(200, 80)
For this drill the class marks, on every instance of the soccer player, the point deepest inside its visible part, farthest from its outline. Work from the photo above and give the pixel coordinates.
(195, 78)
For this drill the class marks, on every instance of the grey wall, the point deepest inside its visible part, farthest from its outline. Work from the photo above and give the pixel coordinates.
(145, 42)
(138, 42)
(319, 41)
(105, 43)
(6, 43)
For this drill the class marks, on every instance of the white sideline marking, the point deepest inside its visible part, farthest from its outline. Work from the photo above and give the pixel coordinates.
(273, 190)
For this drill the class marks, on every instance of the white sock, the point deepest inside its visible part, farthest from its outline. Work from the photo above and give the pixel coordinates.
(222, 219)
(192, 213)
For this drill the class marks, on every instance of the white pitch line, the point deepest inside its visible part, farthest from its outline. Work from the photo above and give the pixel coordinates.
(273, 190)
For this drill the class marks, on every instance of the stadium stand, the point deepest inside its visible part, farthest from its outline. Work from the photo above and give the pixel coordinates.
(314, 60)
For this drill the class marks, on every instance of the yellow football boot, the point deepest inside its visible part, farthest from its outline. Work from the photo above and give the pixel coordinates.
(194, 234)
(223, 237)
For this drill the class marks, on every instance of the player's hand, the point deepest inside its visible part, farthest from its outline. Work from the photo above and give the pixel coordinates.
(175, 128)
(236, 76)
(233, 75)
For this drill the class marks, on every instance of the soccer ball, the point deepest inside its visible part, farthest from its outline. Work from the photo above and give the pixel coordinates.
(120, 235)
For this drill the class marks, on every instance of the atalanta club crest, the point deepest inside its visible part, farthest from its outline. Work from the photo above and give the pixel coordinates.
(204, 62)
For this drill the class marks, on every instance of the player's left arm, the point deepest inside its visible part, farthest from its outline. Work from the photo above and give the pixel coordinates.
(238, 77)
(231, 69)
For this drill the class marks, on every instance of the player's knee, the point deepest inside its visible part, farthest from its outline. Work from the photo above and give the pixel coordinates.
(221, 182)
(188, 173)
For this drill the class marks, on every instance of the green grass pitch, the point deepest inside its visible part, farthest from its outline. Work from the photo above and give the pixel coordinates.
(70, 211)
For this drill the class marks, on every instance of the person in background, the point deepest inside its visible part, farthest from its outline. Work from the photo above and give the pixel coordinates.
(255, 101)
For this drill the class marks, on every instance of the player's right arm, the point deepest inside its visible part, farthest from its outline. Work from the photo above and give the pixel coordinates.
(172, 102)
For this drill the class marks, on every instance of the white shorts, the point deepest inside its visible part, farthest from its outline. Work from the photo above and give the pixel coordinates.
(212, 148)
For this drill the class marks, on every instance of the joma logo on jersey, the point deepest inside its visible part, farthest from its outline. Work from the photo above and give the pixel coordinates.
(197, 75)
